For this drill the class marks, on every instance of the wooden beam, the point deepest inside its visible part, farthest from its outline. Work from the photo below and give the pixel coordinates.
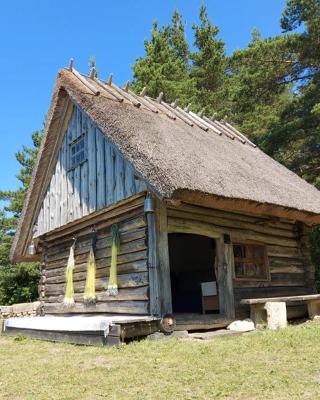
(153, 264)
(164, 261)
(246, 206)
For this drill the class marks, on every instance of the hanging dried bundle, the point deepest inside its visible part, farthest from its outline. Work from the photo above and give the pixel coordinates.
(69, 291)
(113, 278)
(90, 288)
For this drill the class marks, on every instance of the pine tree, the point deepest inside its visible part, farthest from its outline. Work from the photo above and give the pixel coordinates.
(209, 65)
(18, 282)
(295, 139)
(165, 66)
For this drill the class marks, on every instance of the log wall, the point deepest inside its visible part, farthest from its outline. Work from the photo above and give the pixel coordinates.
(104, 178)
(291, 271)
(133, 277)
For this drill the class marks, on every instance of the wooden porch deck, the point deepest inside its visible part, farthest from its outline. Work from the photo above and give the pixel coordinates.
(124, 331)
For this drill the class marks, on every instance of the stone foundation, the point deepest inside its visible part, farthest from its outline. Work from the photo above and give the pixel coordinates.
(20, 310)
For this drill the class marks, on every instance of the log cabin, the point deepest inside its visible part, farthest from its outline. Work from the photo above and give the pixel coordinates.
(205, 218)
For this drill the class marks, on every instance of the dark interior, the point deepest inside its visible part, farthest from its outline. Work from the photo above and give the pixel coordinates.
(191, 262)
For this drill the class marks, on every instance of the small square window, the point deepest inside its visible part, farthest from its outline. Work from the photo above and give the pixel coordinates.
(77, 152)
(250, 262)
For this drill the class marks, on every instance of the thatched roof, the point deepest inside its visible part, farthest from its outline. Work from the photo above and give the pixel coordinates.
(182, 155)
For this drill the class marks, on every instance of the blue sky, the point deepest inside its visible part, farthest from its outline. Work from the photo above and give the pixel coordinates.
(39, 37)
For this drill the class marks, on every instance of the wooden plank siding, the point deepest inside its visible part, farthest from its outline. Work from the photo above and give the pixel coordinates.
(104, 178)
(291, 272)
(133, 274)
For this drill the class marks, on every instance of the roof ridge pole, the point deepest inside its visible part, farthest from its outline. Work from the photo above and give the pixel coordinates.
(161, 108)
(85, 82)
(109, 90)
(196, 121)
(144, 101)
(224, 130)
(126, 95)
(210, 122)
(204, 122)
(235, 130)
(177, 113)
(224, 122)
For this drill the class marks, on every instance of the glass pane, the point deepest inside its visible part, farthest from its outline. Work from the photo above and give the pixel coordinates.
(239, 269)
(249, 252)
(250, 270)
(73, 150)
(73, 161)
(82, 144)
(82, 156)
(238, 251)
(258, 253)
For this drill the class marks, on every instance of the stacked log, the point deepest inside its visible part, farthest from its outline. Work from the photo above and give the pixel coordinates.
(132, 268)
(291, 271)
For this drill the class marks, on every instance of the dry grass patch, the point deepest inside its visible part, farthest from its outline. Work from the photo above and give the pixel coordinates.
(264, 365)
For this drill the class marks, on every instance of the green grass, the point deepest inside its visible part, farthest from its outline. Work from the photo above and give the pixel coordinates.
(261, 365)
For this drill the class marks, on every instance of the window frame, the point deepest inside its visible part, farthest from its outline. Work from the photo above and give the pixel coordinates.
(85, 151)
(267, 275)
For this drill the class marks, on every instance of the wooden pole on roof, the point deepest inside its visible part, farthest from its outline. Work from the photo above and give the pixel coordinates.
(93, 73)
(187, 109)
(143, 91)
(109, 90)
(213, 116)
(175, 103)
(71, 62)
(85, 82)
(159, 98)
(126, 86)
(109, 81)
(144, 101)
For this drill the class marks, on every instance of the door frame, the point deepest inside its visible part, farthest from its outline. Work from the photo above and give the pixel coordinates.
(211, 266)
(224, 263)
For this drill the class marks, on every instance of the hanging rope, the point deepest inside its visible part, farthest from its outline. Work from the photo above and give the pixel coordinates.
(113, 278)
(90, 288)
(69, 291)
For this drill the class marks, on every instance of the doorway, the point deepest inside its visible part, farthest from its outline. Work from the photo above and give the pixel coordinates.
(192, 272)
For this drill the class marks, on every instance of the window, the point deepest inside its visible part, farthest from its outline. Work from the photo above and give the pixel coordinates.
(250, 262)
(77, 152)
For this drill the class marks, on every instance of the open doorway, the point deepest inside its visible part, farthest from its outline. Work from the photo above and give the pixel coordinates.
(193, 280)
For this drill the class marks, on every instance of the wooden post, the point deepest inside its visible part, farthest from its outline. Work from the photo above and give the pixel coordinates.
(164, 262)
(224, 273)
(41, 286)
(153, 264)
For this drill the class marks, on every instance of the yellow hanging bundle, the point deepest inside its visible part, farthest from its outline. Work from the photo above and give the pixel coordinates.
(113, 279)
(90, 289)
(69, 291)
